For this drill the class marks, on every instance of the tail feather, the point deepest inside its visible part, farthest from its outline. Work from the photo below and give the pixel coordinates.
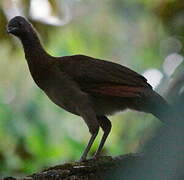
(160, 108)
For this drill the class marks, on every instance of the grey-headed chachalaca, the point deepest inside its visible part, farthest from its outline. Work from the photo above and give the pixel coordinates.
(86, 86)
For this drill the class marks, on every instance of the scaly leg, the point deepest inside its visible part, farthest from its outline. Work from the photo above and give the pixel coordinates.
(88, 147)
(89, 116)
(105, 124)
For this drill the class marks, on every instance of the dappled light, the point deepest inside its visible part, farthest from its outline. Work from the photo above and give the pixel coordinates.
(153, 76)
(145, 36)
(41, 10)
(171, 62)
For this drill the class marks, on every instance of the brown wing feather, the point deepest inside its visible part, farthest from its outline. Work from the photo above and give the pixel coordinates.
(99, 76)
(116, 90)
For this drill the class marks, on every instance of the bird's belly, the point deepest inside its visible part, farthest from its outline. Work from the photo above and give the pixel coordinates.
(108, 105)
(62, 101)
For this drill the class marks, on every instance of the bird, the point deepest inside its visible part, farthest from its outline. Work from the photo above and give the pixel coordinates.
(85, 86)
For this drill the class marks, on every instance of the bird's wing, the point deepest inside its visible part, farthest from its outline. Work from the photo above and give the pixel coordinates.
(102, 77)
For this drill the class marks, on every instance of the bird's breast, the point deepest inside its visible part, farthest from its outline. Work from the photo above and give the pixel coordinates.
(59, 98)
(41, 77)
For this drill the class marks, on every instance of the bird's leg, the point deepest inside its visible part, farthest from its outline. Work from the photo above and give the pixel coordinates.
(105, 124)
(88, 147)
(89, 116)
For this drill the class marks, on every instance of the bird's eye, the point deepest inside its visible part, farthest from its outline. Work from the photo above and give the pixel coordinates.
(20, 23)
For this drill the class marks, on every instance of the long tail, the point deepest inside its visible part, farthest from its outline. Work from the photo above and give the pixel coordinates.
(160, 108)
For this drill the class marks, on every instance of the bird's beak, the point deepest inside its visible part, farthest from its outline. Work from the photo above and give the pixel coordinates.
(11, 29)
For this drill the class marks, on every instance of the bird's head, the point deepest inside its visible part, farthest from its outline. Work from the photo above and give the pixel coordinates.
(19, 26)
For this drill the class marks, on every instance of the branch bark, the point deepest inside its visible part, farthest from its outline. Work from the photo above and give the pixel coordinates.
(102, 168)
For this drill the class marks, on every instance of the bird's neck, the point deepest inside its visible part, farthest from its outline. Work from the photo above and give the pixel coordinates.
(33, 49)
(37, 58)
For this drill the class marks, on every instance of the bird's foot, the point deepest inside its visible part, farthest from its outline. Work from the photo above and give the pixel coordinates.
(82, 159)
(101, 158)
(96, 156)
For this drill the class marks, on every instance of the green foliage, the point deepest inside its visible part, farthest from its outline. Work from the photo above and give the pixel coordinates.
(34, 133)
